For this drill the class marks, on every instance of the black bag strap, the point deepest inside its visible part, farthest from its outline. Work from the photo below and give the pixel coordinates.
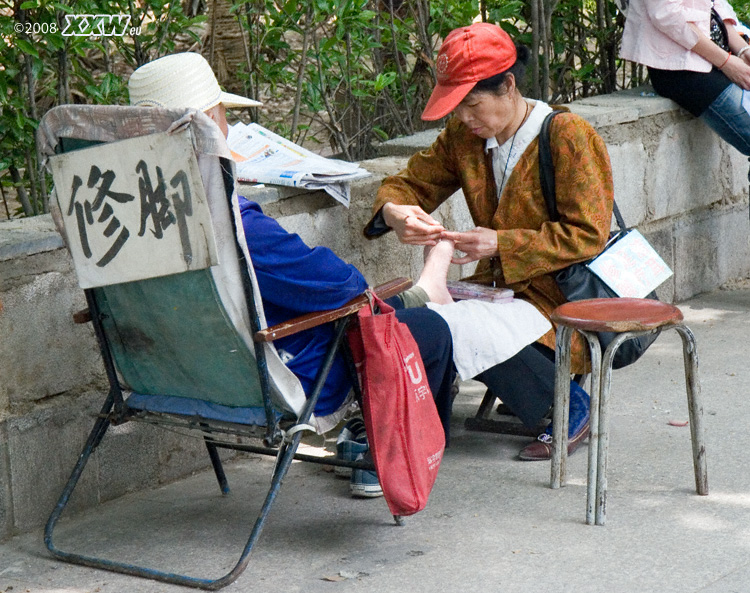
(718, 30)
(547, 174)
(547, 168)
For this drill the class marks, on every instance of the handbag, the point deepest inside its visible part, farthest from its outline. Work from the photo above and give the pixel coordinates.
(718, 30)
(577, 282)
(403, 427)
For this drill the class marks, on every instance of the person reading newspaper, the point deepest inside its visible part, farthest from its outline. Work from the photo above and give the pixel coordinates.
(295, 279)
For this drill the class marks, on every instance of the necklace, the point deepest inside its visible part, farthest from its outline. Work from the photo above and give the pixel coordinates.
(513, 140)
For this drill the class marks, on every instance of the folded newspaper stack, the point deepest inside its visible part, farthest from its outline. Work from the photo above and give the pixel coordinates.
(265, 157)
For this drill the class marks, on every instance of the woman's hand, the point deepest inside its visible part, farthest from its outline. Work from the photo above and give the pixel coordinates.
(738, 71)
(412, 224)
(737, 43)
(477, 244)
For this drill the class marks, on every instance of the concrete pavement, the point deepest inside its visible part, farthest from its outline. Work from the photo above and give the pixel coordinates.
(492, 523)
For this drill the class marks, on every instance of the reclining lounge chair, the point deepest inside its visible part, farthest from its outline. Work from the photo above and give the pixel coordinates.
(146, 203)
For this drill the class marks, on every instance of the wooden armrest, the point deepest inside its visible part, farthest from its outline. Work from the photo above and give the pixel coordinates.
(303, 322)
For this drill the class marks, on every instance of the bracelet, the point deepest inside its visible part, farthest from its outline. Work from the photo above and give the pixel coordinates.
(724, 63)
(742, 51)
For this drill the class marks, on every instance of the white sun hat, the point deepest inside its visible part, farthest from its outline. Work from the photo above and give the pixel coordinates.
(181, 80)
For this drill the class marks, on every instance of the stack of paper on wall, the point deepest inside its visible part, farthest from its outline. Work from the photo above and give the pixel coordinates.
(265, 157)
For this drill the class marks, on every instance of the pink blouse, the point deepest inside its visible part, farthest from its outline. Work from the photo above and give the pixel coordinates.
(658, 34)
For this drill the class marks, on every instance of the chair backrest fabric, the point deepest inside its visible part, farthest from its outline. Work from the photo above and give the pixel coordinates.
(176, 323)
(182, 334)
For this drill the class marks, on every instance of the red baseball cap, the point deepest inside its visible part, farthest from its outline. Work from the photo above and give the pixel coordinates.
(468, 55)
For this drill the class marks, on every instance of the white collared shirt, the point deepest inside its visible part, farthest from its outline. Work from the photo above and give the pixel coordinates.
(658, 34)
(506, 157)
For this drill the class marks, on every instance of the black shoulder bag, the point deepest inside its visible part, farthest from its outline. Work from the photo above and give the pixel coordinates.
(577, 282)
(718, 30)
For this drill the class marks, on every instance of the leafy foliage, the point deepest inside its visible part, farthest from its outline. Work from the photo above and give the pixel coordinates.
(351, 67)
(361, 70)
(742, 8)
(341, 73)
(43, 65)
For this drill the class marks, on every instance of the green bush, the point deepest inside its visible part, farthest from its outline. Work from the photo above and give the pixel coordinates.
(43, 67)
(342, 74)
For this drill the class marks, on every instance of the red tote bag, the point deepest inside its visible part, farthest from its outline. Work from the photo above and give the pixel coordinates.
(403, 427)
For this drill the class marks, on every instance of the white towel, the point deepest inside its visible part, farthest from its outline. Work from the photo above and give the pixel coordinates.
(485, 334)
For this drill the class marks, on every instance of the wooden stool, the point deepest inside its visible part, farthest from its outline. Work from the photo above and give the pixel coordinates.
(628, 318)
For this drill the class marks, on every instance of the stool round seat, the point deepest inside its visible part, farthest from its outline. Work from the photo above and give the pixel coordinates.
(617, 315)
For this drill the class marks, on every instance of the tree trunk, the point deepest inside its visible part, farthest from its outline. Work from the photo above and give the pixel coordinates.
(5, 202)
(15, 175)
(225, 43)
(545, 22)
(608, 47)
(535, 49)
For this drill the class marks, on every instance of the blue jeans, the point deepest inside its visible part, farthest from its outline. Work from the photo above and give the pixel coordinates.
(729, 119)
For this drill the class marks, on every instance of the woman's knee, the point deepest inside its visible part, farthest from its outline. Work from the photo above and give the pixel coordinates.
(729, 118)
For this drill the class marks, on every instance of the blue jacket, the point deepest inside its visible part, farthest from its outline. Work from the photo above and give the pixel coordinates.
(293, 280)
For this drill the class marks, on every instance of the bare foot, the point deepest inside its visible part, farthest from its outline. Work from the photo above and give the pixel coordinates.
(437, 259)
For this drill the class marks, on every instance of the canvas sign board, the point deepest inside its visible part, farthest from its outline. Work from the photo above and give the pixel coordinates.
(134, 209)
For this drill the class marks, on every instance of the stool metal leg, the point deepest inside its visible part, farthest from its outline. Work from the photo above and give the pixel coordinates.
(601, 379)
(594, 421)
(695, 408)
(561, 405)
(561, 416)
(603, 448)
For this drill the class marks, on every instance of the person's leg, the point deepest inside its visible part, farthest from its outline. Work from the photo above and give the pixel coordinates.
(729, 118)
(431, 286)
(412, 298)
(525, 383)
(433, 337)
(437, 260)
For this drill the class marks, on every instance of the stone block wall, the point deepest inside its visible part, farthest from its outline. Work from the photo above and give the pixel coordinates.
(682, 187)
(52, 385)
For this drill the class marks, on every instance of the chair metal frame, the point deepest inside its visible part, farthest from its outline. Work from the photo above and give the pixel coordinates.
(115, 411)
(276, 441)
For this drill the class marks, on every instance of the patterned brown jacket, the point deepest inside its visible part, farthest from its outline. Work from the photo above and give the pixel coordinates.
(530, 247)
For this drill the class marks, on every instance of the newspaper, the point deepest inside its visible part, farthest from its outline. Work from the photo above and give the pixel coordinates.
(265, 157)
